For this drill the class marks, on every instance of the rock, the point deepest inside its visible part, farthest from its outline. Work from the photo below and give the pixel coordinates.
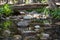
(13, 17)
(36, 16)
(23, 12)
(19, 16)
(43, 17)
(45, 35)
(17, 37)
(6, 33)
(36, 29)
(33, 12)
(37, 26)
(7, 18)
(30, 38)
(47, 23)
(27, 21)
(2, 18)
(16, 18)
(57, 23)
(28, 31)
(23, 23)
(28, 17)
(47, 7)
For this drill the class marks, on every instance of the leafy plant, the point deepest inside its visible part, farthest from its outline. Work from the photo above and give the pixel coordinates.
(1, 10)
(55, 13)
(46, 11)
(39, 10)
(38, 21)
(26, 1)
(6, 10)
(46, 21)
(6, 24)
(43, 1)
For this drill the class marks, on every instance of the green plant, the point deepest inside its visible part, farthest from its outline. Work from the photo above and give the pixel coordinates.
(39, 10)
(6, 24)
(46, 21)
(55, 13)
(1, 10)
(46, 11)
(6, 10)
(44, 1)
(37, 21)
(26, 1)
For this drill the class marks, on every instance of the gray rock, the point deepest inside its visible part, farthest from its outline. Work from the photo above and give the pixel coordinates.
(13, 17)
(33, 12)
(7, 18)
(23, 23)
(29, 33)
(45, 35)
(28, 17)
(16, 17)
(23, 12)
(6, 33)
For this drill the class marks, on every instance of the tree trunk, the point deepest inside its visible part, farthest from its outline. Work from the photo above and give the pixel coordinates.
(52, 4)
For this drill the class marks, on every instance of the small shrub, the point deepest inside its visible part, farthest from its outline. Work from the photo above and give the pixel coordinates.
(6, 24)
(6, 10)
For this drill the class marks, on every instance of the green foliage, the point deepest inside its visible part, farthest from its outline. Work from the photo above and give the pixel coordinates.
(46, 21)
(46, 11)
(6, 9)
(26, 1)
(55, 13)
(37, 21)
(6, 24)
(39, 10)
(43, 1)
(1, 10)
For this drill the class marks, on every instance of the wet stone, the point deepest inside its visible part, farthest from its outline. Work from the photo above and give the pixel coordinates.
(23, 23)
(27, 17)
